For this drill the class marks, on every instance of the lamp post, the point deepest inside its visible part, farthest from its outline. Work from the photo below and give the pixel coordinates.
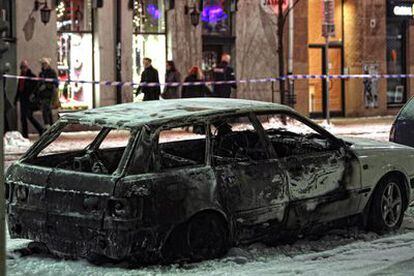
(45, 11)
(194, 14)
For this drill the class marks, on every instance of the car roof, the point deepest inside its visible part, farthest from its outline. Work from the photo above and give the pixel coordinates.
(134, 115)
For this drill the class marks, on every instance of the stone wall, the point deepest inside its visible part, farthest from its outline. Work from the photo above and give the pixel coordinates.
(256, 54)
(300, 56)
(185, 39)
(126, 50)
(34, 39)
(105, 52)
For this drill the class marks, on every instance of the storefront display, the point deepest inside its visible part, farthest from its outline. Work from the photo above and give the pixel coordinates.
(399, 16)
(149, 38)
(74, 65)
(75, 36)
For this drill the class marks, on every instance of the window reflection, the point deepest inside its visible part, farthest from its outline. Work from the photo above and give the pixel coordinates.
(149, 16)
(74, 15)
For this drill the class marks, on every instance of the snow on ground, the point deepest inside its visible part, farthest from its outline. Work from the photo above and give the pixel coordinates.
(340, 252)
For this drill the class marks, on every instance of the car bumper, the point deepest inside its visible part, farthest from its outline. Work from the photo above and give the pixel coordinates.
(116, 239)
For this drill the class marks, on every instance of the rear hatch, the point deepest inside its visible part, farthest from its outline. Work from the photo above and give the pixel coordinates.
(59, 207)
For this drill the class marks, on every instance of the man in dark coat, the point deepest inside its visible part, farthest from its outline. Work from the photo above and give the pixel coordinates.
(47, 91)
(150, 75)
(25, 94)
(223, 72)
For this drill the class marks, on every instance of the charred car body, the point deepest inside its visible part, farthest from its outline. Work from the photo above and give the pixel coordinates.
(197, 176)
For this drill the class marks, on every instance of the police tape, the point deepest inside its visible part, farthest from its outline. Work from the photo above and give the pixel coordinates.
(198, 83)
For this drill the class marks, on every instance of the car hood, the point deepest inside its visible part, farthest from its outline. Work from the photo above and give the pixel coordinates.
(365, 143)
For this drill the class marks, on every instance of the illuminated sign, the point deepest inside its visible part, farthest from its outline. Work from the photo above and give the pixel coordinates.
(401, 9)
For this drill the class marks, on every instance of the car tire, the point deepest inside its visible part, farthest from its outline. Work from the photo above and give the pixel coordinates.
(207, 236)
(204, 236)
(387, 207)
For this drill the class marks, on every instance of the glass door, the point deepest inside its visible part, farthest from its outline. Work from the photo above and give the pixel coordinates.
(317, 87)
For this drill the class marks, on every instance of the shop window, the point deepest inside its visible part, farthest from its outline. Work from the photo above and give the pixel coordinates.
(74, 15)
(149, 16)
(74, 64)
(75, 36)
(217, 18)
(149, 38)
(8, 16)
(315, 16)
(396, 39)
(153, 47)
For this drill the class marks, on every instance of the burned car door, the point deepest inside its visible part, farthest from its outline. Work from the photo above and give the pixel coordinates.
(168, 176)
(321, 180)
(253, 187)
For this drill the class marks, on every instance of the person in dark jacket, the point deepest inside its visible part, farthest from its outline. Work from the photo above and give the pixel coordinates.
(149, 75)
(47, 90)
(172, 75)
(26, 96)
(194, 91)
(223, 72)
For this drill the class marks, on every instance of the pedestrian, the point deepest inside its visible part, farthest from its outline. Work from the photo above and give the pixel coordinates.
(149, 75)
(223, 72)
(172, 75)
(196, 90)
(47, 91)
(27, 97)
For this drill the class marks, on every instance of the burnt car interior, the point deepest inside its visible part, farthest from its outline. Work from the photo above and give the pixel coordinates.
(235, 139)
(290, 136)
(101, 155)
(181, 147)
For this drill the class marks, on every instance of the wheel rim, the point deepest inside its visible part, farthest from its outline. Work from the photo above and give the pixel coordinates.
(391, 204)
(206, 237)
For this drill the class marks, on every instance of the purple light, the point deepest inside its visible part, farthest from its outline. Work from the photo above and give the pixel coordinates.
(213, 14)
(153, 11)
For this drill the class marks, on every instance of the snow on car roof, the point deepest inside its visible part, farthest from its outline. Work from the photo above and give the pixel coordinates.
(133, 115)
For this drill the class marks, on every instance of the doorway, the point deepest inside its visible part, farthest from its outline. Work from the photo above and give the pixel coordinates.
(317, 87)
(213, 48)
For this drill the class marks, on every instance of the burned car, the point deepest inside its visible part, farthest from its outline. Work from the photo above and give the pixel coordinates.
(197, 176)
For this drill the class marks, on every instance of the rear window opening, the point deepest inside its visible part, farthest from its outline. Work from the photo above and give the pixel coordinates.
(182, 147)
(93, 150)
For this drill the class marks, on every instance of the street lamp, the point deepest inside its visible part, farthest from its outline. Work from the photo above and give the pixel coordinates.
(44, 11)
(194, 15)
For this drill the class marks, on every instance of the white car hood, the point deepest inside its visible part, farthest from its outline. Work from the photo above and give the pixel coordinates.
(365, 143)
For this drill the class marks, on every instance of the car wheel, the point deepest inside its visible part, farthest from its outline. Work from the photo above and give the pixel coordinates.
(207, 236)
(387, 206)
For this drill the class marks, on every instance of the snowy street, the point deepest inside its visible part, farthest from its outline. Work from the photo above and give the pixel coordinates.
(340, 252)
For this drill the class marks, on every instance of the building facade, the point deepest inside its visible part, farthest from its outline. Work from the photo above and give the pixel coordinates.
(106, 40)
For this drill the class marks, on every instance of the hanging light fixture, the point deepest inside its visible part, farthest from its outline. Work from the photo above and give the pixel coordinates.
(194, 14)
(45, 11)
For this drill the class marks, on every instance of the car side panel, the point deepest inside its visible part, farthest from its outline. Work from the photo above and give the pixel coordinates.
(375, 164)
